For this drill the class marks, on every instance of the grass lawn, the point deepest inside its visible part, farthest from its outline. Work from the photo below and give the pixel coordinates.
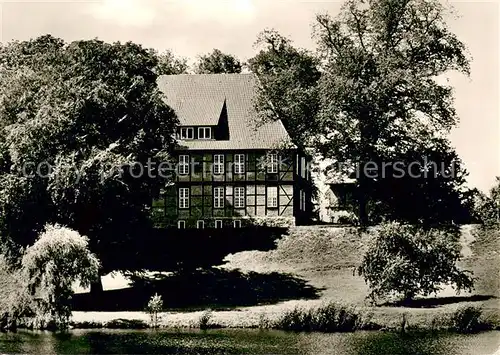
(325, 258)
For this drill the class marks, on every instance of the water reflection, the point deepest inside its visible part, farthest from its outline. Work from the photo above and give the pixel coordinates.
(246, 342)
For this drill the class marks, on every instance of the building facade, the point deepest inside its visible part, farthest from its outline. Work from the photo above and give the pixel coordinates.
(231, 169)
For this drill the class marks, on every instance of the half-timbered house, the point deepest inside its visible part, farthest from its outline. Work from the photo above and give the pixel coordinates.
(232, 169)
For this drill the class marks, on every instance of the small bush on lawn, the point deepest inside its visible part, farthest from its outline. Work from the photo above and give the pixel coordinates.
(406, 261)
(332, 317)
(126, 324)
(205, 320)
(87, 325)
(468, 319)
(155, 305)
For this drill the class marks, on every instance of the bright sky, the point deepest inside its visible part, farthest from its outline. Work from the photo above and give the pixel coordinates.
(192, 27)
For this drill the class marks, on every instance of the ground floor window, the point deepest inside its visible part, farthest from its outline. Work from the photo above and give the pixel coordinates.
(218, 197)
(272, 197)
(181, 224)
(239, 197)
(200, 224)
(218, 223)
(237, 223)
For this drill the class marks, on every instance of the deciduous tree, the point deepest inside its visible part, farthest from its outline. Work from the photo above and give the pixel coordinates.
(58, 259)
(84, 128)
(380, 93)
(406, 261)
(217, 62)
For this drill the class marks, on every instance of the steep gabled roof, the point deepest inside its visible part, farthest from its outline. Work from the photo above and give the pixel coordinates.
(198, 100)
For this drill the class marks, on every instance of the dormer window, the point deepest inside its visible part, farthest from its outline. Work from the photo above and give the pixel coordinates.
(187, 133)
(204, 133)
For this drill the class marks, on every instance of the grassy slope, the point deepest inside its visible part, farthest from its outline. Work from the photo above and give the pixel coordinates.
(326, 258)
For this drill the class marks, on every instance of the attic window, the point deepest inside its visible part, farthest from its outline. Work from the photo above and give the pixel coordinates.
(204, 133)
(187, 133)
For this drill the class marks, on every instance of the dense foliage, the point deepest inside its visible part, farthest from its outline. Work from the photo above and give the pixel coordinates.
(58, 259)
(369, 99)
(487, 207)
(406, 261)
(217, 62)
(169, 64)
(37, 292)
(288, 91)
(83, 128)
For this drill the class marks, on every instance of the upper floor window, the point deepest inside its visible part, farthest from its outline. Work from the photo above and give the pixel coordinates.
(218, 197)
(272, 163)
(204, 133)
(218, 164)
(239, 163)
(183, 165)
(239, 197)
(184, 197)
(187, 133)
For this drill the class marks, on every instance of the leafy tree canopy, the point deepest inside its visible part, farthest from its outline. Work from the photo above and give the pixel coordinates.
(407, 261)
(78, 121)
(487, 207)
(217, 63)
(59, 258)
(372, 95)
(169, 64)
(289, 79)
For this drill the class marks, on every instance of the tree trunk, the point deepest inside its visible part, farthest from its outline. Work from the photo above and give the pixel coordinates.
(362, 197)
(365, 158)
(96, 287)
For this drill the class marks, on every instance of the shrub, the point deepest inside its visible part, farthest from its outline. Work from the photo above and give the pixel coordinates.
(126, 324)
(264, 322)
(204, 321)
(332, 317)
(58, 258)
(468, 319)
(155, 305)
(344, 217)
(406, 261)
(14, 300)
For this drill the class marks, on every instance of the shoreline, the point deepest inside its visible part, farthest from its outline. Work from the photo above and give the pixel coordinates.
(379, 318)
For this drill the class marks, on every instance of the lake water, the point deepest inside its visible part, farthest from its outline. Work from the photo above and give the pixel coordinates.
(226, 341)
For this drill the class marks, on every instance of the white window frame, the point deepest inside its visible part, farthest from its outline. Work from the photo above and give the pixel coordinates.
(239, 163)
(219, 197)
(183, 167)
(237, 223)
(239, 197)
(217, 222)
(300, 200)
(303, 195)
(184, 133)
(184, 197)
(272, 197)
(205, 130)
(181, 224)
(200, 223)
(272, 163)
(218, 164)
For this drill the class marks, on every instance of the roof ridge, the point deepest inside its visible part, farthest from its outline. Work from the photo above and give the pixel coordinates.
(208, 74)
